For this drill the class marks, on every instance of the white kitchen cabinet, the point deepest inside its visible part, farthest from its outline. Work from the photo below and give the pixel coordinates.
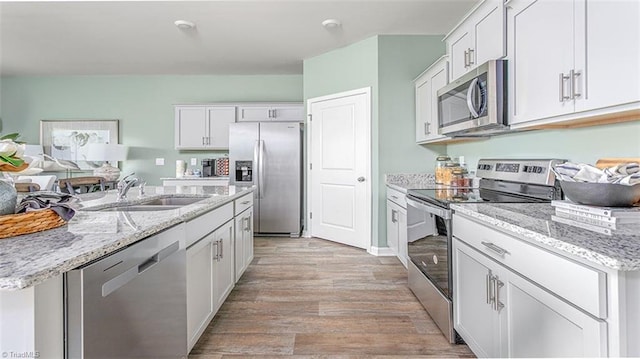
(585, 57)
(506, 304)
(244, 241)
(480, 37)
(271, 112)
(426, 87)
(223, 265)
(200, 304)
(203, 127)
(397, 224)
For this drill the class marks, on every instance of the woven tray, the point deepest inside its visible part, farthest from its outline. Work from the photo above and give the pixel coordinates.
(31, 222)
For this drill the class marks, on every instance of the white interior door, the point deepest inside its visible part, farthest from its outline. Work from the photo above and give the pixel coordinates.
(340, 175)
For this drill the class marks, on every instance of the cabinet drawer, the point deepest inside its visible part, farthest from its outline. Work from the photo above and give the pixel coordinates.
(243, 203)
(208, 222)
(397, 197)
(579, 284)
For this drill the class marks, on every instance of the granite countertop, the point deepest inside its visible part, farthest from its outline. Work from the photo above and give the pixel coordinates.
(197, 178)
(619, 250)
(406, 181)
(31, 259)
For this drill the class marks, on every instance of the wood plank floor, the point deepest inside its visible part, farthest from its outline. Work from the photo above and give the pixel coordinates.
(311, 298)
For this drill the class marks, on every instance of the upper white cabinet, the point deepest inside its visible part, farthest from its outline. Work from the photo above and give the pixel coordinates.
(567, 57)
(480, 37)
(427, 86)
(203, 127)
(268, 112)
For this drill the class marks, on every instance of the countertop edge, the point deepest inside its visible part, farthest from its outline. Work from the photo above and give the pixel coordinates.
(18, 283)
(549, 243)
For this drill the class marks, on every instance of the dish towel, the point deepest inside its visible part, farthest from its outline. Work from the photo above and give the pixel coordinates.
(625, 174)
(58, 202)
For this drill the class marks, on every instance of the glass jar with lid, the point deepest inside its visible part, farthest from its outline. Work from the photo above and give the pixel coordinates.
(447, 172)
(441, 162)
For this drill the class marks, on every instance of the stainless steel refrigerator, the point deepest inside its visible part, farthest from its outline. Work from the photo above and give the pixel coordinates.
(269, 156)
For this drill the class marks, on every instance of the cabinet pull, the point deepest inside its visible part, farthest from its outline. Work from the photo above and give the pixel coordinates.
(393, 216)
(244, 202)
(217, 256)
(209, 141)
(221, 249)
(466, 64)
(426, 128)
(493, 247)
(574, 75)
(562, 77)
(273, 113)
(497, 305)
(471, 61)
(203, 140)
(489, 280)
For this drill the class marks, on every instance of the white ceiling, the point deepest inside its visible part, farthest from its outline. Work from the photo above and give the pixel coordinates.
(231, 37)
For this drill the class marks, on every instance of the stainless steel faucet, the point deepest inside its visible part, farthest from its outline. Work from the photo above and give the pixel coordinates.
(125, 184)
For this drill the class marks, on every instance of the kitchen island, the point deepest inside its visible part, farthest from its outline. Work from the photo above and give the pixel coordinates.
(31, 266)
(581, 286)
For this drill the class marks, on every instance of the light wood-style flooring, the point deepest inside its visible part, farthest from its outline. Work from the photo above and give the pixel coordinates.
(315, 298)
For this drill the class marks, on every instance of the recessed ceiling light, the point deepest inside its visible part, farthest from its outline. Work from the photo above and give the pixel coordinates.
(184, 24)
(331, 23)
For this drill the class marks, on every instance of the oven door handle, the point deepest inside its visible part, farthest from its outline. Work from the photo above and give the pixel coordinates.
(440, 212)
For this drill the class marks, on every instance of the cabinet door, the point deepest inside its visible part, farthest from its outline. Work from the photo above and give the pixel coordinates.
(539, 324)
(402, 236)
(392, 226)
(248, 238)
(254, 113)
(474, 317)
(223, 268)
(200, 304)
(439, 79)
(459, 45)
(423, 108)
(540, 52)
(607, 53)
(288, 113)
(219, 119)
(489, 33)
(239, 247)
(190, 127)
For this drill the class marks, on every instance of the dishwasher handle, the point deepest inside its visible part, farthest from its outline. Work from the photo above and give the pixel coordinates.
(119, 281)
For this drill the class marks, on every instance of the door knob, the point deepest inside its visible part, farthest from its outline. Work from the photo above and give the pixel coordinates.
(360, 179)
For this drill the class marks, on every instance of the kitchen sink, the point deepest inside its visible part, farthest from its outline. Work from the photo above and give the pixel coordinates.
(156, 204)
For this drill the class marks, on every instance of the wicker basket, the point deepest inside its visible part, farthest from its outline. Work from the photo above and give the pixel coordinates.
(31, 222)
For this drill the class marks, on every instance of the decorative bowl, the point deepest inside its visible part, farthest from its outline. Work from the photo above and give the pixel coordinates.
(601, 194)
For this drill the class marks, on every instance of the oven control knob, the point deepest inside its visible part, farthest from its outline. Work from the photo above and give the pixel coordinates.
(435, 259)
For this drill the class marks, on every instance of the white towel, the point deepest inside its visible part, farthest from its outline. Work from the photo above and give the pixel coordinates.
(625, 174)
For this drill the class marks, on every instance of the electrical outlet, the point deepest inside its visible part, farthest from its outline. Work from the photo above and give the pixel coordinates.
(194, 161)
(159, 161)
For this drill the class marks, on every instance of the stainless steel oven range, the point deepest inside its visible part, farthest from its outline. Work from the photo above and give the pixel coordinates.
(429, 235)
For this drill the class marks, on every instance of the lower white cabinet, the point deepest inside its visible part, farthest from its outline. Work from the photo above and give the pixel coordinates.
(200, 304)
(397, 224)
(223, 264)
(501, 313)
(244, 241)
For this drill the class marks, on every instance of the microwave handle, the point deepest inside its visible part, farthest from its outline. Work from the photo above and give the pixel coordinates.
(470, 104)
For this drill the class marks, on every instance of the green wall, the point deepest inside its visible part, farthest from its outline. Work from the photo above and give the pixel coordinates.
(584, 145)
(143, 104)
(388, 64)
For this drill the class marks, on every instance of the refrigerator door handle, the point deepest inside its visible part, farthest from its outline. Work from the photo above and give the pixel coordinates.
(256, 160)
(261, 170)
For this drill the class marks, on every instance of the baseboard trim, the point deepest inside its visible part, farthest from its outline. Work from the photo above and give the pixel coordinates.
(381, 251)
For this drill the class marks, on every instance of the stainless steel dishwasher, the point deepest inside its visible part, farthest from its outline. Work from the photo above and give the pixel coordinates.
(131, 304)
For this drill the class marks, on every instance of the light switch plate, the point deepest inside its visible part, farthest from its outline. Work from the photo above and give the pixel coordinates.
(194, 161)
(159, 161)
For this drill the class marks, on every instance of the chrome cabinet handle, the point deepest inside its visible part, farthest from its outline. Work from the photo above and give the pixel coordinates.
(497, 305)
(244, 202)
(394, 197)
(466, 63)
(488, 281)
(471, 62)
(426, 128)
(217, 256)
(562, 77)
(574, 75)
(493, 247)
(394, 214)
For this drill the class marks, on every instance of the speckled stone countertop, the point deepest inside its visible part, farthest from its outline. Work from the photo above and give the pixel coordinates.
(406, 181)
(618, 250)
(31, 259)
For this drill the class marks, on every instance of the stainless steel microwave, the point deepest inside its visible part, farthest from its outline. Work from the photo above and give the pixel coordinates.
(476, 103)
